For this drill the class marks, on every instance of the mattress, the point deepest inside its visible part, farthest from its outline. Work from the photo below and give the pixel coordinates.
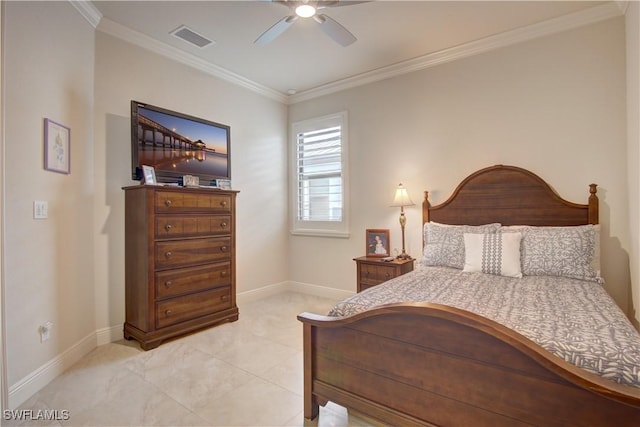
(573, 319)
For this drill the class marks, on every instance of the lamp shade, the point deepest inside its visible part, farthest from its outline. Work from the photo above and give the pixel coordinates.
(401, 197)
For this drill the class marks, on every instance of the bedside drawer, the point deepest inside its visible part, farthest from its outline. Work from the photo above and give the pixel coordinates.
(183, 201)
(192, 279)
(372, 271)
(169, 226)
(374, 274)
(183, 253)
(189, 307)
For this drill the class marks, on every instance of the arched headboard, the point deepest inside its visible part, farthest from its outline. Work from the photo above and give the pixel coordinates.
(511, 196)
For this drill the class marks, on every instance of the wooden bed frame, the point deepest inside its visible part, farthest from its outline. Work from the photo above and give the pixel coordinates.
(429, 364)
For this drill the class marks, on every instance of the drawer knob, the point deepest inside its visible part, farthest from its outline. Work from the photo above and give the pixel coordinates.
(223, 273)
(224, 298)
(168, 202)
(168, 254)
(387, 275)
(224, 248)
(168, 227)
(168, 283)
(223, 225)
(223, 203)
(168, 312)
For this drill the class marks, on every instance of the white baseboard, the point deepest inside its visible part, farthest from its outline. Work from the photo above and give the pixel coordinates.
(35, 381)
(110, 334)
(32, 383)
(320, 291)
(303, 288)
(260, 293)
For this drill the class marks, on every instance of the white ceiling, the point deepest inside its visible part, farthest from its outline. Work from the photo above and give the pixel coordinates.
(393, 36)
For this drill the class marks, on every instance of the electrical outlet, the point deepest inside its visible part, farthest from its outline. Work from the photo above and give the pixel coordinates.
(40, 209)
(45, 331)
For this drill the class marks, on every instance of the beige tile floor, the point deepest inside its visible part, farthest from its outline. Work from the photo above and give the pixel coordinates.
(245, 373)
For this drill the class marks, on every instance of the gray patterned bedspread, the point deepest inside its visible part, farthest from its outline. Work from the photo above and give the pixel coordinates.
(573, 319)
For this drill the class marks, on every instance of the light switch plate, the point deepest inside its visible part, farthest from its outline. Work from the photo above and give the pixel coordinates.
(40, 209)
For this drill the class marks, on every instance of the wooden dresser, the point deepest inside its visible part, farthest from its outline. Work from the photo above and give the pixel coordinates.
(179, 261)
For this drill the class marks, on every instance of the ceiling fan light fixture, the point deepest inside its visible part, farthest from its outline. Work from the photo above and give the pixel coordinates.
(309, 9)
(305, 10)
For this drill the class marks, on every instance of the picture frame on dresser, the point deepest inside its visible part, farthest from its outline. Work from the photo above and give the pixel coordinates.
(149, 175)
(223, 184)
(377, 242)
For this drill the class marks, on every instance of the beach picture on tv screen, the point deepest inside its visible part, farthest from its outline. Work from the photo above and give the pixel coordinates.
(177, 145)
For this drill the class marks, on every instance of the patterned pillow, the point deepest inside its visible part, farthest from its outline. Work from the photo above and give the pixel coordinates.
(560, 251)
(495, 253)
(444, 243)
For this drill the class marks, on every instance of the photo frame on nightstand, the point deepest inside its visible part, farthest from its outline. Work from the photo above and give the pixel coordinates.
(378, 242)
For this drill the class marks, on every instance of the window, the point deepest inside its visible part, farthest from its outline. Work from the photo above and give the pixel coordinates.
(319, 183)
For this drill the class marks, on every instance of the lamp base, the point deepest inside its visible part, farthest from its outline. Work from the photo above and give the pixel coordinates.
(404, 255)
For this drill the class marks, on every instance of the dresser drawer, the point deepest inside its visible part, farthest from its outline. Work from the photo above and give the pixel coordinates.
(183, 253)
(184, 201)
(180, 309)
(170, 226)
(191, 279)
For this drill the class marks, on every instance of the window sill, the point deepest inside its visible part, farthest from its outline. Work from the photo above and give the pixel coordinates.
(321, 233)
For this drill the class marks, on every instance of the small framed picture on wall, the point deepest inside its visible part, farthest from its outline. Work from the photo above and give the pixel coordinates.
(378, 243)
(57, 147)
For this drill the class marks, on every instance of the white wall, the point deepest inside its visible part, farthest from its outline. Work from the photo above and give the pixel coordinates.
(554, 105)
(48, 64)
(632, 21)
(258, 163)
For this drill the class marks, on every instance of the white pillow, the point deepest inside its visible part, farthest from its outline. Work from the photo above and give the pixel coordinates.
(495, 253)
(444, 245)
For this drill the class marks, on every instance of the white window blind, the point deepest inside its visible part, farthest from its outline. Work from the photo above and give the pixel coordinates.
(320, 175)
(319, 184)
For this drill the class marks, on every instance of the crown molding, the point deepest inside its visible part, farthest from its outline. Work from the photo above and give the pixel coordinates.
(623, 5)
(88, 11)
(508, 38)
(120, 31)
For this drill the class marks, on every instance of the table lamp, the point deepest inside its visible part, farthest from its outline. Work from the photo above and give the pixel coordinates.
(402, 199)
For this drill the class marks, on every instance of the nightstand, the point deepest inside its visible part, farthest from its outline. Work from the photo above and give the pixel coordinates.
(373, 271)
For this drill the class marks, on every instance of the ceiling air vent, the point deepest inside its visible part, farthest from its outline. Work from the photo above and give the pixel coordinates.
(188, 35)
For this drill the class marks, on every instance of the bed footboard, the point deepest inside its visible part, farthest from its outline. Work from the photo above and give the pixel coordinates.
(421, 364)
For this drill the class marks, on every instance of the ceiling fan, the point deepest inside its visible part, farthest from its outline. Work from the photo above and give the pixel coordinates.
(309, 9)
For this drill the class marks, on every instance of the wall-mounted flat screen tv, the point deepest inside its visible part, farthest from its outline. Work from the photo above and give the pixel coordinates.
(177, 144)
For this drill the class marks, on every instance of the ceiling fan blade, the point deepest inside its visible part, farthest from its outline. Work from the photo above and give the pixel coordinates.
(338, 3)
(334, 30)
(276, 29)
